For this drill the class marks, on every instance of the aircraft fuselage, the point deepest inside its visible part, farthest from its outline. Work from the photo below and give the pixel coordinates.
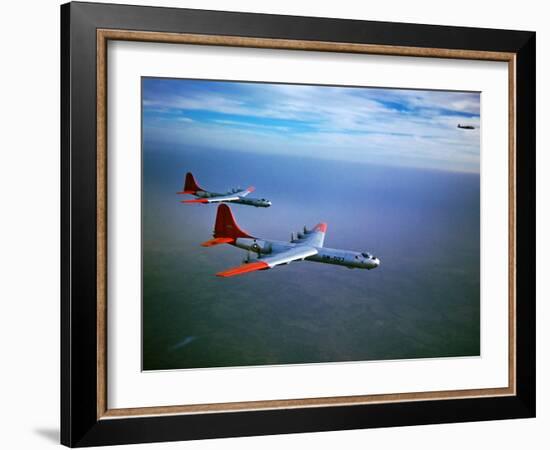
(347, 258)
(258, 202)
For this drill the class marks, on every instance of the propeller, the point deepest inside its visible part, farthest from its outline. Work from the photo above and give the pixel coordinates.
(292, 237)
(256, 248)
(305, 229)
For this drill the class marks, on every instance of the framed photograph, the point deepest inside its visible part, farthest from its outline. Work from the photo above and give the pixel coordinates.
(277, 224)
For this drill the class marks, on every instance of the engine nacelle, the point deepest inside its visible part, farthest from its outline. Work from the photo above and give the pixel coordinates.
(256, 245)
(260, 246)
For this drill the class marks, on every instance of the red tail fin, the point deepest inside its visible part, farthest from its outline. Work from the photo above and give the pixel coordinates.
(226, 226)
(226, 230)
(191, 186)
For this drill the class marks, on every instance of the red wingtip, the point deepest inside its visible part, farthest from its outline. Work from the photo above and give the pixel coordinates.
(322, 227)
(196, 200)
(251, 267)
(251, 189)
(217, 241)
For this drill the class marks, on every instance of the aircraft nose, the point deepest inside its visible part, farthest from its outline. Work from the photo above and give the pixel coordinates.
(377, 262)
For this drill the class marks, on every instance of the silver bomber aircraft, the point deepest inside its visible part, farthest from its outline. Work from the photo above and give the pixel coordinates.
(306, 245)
(234, 196)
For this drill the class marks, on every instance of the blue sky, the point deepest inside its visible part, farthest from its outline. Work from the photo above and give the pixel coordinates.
(393, 127)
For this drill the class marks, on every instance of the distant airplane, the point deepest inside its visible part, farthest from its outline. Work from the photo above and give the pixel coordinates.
(304, 246)
(466, 127)
(234, 196)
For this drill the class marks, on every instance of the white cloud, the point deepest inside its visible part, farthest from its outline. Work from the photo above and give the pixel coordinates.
(403, 127)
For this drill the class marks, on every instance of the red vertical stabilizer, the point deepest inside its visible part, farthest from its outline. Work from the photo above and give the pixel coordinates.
(191, 186)
(226, 230)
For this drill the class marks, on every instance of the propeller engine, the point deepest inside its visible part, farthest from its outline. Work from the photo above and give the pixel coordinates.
(259, 247)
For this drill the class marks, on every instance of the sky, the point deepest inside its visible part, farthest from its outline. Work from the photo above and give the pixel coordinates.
(393, 127)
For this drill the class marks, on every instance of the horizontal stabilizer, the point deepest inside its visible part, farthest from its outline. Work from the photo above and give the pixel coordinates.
(251, 267)
(218, 241)
(195, 200)
(185, 192)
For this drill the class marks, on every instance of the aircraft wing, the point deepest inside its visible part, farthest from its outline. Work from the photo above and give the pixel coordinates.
(218, 199)
(314, 237)
(274, 259)
(246, 191)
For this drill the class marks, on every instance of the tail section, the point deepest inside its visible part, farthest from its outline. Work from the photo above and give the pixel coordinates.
(195, 200)
(226, 230)
(226, 225)
(191, 186)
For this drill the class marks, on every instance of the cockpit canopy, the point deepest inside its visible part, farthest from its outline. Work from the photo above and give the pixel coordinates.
(368, 255)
